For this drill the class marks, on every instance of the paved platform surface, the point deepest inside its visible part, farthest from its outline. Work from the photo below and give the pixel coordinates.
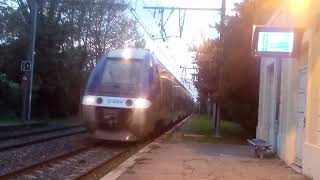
(175, 159)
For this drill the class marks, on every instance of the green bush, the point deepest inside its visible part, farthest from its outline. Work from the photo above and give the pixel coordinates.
(10, 96)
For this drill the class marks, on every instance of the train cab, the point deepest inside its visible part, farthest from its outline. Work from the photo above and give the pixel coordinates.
(128, 96)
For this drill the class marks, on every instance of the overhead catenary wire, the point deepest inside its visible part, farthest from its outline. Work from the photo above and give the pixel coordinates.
(164, 54)
(150, 11)
(135, 15)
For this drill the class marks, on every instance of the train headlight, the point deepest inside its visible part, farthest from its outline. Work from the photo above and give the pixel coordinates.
(88, 100)
(142, 103)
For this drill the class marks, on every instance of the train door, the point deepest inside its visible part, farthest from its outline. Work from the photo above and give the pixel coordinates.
(166, 90)
(170, 94)
(166, 87)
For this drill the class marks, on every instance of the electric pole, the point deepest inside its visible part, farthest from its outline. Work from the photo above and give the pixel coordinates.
(220, 89)
(29, 75)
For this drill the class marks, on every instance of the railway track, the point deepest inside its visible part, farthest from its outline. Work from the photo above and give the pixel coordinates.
(8, 134)
(72, 165)
(25, 172)
(16, 140)
(84, 163)
(103, 168)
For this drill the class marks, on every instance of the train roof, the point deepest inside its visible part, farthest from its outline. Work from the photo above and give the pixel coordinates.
(136, 53)
(128, 53)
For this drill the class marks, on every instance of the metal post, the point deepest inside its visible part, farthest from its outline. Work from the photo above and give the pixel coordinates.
(218, 116)
(24, 104)
(218, 108)
(214, 114)
(33, 12)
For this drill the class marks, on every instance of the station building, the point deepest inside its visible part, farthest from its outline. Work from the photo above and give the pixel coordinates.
(289, 99)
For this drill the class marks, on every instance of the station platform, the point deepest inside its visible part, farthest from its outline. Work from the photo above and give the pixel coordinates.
(172, 157)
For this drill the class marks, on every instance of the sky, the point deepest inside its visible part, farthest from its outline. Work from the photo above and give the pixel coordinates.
(198, 26)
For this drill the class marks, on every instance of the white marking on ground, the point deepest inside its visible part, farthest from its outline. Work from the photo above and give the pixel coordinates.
(30, 177)
(65, 162)
(51, 168)
(125, 165)
(57, 165)
(39, 172)
(225, 155)
(73, 159)
(193, 135)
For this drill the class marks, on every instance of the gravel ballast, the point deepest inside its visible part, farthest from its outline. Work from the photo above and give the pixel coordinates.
(4, 145)
(18, 158)
(75, 165)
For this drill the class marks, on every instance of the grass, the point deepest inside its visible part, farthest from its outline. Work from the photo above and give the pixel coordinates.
(4, 120)
(74, 120)
(231, 133)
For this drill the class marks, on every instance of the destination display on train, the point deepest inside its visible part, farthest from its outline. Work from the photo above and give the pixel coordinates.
(275, 42)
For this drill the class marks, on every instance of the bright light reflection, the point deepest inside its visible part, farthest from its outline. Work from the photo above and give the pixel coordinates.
(142, 103)
(126, 54)
(299, 6)
(88, 100)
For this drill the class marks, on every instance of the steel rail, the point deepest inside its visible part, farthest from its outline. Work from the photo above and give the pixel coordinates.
(87, 175)
(37, 132)
(36, 141)
(24, 170)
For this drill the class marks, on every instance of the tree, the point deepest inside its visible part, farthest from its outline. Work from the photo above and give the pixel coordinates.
(71, 37)
(10, 95)
(206, 59)
(239, 93)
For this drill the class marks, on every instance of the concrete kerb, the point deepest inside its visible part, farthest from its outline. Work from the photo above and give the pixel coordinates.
(123, 167)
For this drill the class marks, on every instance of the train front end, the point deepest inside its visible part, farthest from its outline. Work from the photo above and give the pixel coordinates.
(115, 103)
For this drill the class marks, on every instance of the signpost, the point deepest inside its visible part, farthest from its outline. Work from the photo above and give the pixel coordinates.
(25, 66)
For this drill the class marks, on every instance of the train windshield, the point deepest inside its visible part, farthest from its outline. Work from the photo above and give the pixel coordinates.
(120, 71)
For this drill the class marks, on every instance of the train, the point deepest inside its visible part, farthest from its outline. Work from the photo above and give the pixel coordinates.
(130, 95)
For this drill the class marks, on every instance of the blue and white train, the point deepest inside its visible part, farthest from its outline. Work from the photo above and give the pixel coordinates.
(131, 95)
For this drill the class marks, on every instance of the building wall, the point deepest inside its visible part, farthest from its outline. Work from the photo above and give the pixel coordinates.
(285, 138)
(282, 137)
(309, 61)
(311, 149)
(287, 124)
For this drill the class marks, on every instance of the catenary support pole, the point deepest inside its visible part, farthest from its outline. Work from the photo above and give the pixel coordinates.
(218, 109)
(33, 12)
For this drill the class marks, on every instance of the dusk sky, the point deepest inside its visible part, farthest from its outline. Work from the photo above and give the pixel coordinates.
(198, 26)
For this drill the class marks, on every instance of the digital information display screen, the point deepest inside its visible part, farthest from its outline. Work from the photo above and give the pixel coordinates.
(275, 42)
(272, 41)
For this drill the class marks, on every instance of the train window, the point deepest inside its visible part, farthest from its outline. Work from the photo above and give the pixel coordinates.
(118, 71)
